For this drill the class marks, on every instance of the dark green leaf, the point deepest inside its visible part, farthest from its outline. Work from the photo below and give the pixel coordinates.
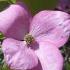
(1, 56)
(38, 5)
(3, 0)
(67, 66)
(3, 5)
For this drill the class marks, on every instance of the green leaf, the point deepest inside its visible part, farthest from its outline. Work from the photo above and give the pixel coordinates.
(3, 5)
(67, 66)
(1, 57)
(2, 37)
(38, 5)
(5, 67)
(3, 0)
(11, 1)
(0, 67)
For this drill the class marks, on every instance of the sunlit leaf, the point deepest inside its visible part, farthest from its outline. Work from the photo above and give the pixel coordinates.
(11, 1)
(2, 37)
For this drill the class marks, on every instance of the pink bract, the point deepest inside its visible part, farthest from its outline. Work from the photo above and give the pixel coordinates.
(19, 57)
(15, 21)
(52, 26)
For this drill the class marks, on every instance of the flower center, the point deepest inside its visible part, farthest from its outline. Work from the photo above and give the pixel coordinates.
(29, 39)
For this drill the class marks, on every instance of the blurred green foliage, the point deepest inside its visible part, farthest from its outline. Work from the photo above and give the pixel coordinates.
(38, 5)
(67, 66)
(35, 6)
(3, 5)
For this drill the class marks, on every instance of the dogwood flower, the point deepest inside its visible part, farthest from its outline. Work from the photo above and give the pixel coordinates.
(41, 39)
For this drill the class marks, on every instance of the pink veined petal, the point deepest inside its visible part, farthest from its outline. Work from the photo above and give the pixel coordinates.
(49, 57)
(18, 56)
(15, 21)
(54, 24)
(53, 38)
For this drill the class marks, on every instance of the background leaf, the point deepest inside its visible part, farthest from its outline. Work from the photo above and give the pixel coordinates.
(3, 5)
(38, 5)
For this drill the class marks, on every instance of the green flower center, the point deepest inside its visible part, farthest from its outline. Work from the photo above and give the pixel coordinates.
(29, 39)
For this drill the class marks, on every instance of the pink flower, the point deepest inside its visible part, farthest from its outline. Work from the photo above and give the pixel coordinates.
(48, 31)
